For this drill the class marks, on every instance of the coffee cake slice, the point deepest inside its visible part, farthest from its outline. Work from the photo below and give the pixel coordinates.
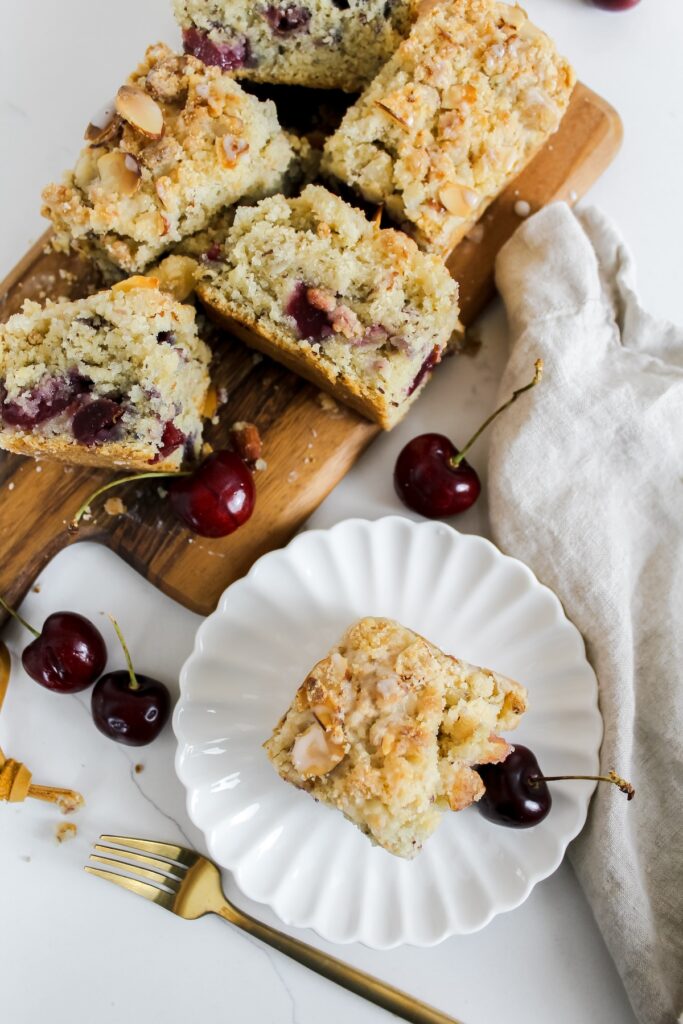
(462, 106)
(387, 729)
(180, 142)
(118, 379)
(356, 309)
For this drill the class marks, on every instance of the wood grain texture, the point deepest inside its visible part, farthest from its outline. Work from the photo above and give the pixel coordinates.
(308, 448)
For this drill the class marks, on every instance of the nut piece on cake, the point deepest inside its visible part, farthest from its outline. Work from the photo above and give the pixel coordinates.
(328, 44)
(462, 106)
(387, 729)
(117, 379)
(179, 142)
(358, 310)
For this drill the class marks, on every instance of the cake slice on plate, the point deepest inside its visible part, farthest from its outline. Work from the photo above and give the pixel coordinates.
(457, 112)
(356, 309)
(387, 729)
(117, 379)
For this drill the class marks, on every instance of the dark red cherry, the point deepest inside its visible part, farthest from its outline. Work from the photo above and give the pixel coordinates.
(171, 440)
(228, 55)
(435, 479)
(97, 421)
(68, 655)
(217, 498)
(41, 403)
(129, 708)
(312, 323)
(286, 20)
(516, 794)
(615, 5)
(427, 481)
(131, 715)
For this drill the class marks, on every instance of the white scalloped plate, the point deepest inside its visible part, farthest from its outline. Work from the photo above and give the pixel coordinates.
(305, 860)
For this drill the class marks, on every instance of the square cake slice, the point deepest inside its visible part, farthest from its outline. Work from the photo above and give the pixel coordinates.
(358, 310)
(462, 106)
(326, 44)
(387, 729)
(117, 379)
(180, 142)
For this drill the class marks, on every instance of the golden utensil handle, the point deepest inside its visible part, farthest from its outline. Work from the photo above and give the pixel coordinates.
(376, 991)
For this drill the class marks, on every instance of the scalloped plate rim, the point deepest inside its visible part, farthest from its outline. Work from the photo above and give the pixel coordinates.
(309, 921)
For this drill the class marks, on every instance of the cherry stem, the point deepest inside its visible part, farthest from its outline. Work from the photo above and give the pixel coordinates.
(17, 616)
(74, 524)
(612, 777)
(457, 459)
(134, 684)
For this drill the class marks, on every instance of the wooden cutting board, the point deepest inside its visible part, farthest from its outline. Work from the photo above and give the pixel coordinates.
(308, 445)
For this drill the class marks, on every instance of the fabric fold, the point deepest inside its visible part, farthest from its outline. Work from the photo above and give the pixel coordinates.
(586, 487)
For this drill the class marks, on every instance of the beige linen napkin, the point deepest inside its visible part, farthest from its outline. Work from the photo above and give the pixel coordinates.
(586, 487)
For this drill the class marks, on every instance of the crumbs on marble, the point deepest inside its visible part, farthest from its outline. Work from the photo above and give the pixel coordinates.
(65, 831)
(139, 768)
(36, 589)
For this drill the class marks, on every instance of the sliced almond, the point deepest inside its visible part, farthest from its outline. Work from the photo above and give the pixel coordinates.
(140, 111)
(103, 126)
(137, 281)
(314, 753)
(177, 276)
(119, 172)
(458, 199)
(394, 116)
(229, 149)
(514, 16)
(233, 123)
(163, 188)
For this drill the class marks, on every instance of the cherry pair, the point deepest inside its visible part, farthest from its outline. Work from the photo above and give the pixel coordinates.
(70, 654)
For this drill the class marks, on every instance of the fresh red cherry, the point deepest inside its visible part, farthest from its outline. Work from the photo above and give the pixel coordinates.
(67, 656)
(212, 500)
(615, 5)
(428, 479)
(435, 479)
(130, 708)
(517, 793)
(217, 498)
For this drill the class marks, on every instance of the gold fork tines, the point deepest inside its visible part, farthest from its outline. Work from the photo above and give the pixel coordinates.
(189, 885)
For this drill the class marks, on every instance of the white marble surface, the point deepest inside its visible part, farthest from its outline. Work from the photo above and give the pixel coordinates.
(79, 950)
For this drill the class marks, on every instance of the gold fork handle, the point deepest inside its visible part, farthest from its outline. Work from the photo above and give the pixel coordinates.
(378, 992)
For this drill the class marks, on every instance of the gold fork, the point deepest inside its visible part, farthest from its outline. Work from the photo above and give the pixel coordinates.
(192, 888)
